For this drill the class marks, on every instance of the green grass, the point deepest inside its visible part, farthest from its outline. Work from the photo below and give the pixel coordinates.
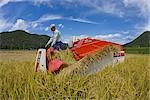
(128, 80)
(137, 50)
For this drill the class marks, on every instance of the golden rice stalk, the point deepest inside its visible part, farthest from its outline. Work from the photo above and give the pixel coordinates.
(89, 60)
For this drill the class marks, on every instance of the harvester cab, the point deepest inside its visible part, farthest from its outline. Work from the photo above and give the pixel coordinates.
(40, 63)
(45, 62)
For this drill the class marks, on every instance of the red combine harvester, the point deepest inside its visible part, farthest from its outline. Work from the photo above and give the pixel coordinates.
(102, 53)
(87, 46)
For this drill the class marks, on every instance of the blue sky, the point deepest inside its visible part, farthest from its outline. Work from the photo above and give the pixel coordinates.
(114, 20)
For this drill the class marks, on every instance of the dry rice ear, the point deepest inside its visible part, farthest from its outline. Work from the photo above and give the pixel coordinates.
(89, 60)
(48, 55)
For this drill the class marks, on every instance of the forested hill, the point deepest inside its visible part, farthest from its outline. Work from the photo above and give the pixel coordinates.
(20, 39)
(141, 41)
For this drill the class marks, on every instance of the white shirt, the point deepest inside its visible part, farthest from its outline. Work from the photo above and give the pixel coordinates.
(54, 38)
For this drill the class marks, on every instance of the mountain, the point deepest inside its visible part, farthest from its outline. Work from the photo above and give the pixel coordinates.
(20, 39)
(141, 41)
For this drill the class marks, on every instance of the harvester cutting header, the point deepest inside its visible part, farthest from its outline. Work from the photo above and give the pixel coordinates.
(91, 55)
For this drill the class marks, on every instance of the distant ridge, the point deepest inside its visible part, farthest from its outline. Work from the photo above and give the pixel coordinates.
(141, 41)
(20, 39)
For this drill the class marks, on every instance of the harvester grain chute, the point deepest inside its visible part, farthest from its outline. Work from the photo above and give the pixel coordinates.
(91, 56)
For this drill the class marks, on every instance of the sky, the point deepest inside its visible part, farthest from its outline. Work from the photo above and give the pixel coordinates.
(118, 21)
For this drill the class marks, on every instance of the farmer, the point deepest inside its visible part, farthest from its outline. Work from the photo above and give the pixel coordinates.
(55, 39)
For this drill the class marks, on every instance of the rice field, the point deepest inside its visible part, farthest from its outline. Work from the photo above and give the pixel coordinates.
(124, 81)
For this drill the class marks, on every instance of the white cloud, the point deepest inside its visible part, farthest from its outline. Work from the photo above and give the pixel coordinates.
(4, 25)
(98, 6)
(82, 20)
(144, 8)
(39, 2)
(125, 32)
(35, 2)
(79, 37)
(61, 25)
(109, 7)
(74, 39)
(20, 25)
(46, 29)
(108, 36)
(147, 26)
(34, 25)
(4, 2)
(128, 38)
(48, 17)
(142, 4)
